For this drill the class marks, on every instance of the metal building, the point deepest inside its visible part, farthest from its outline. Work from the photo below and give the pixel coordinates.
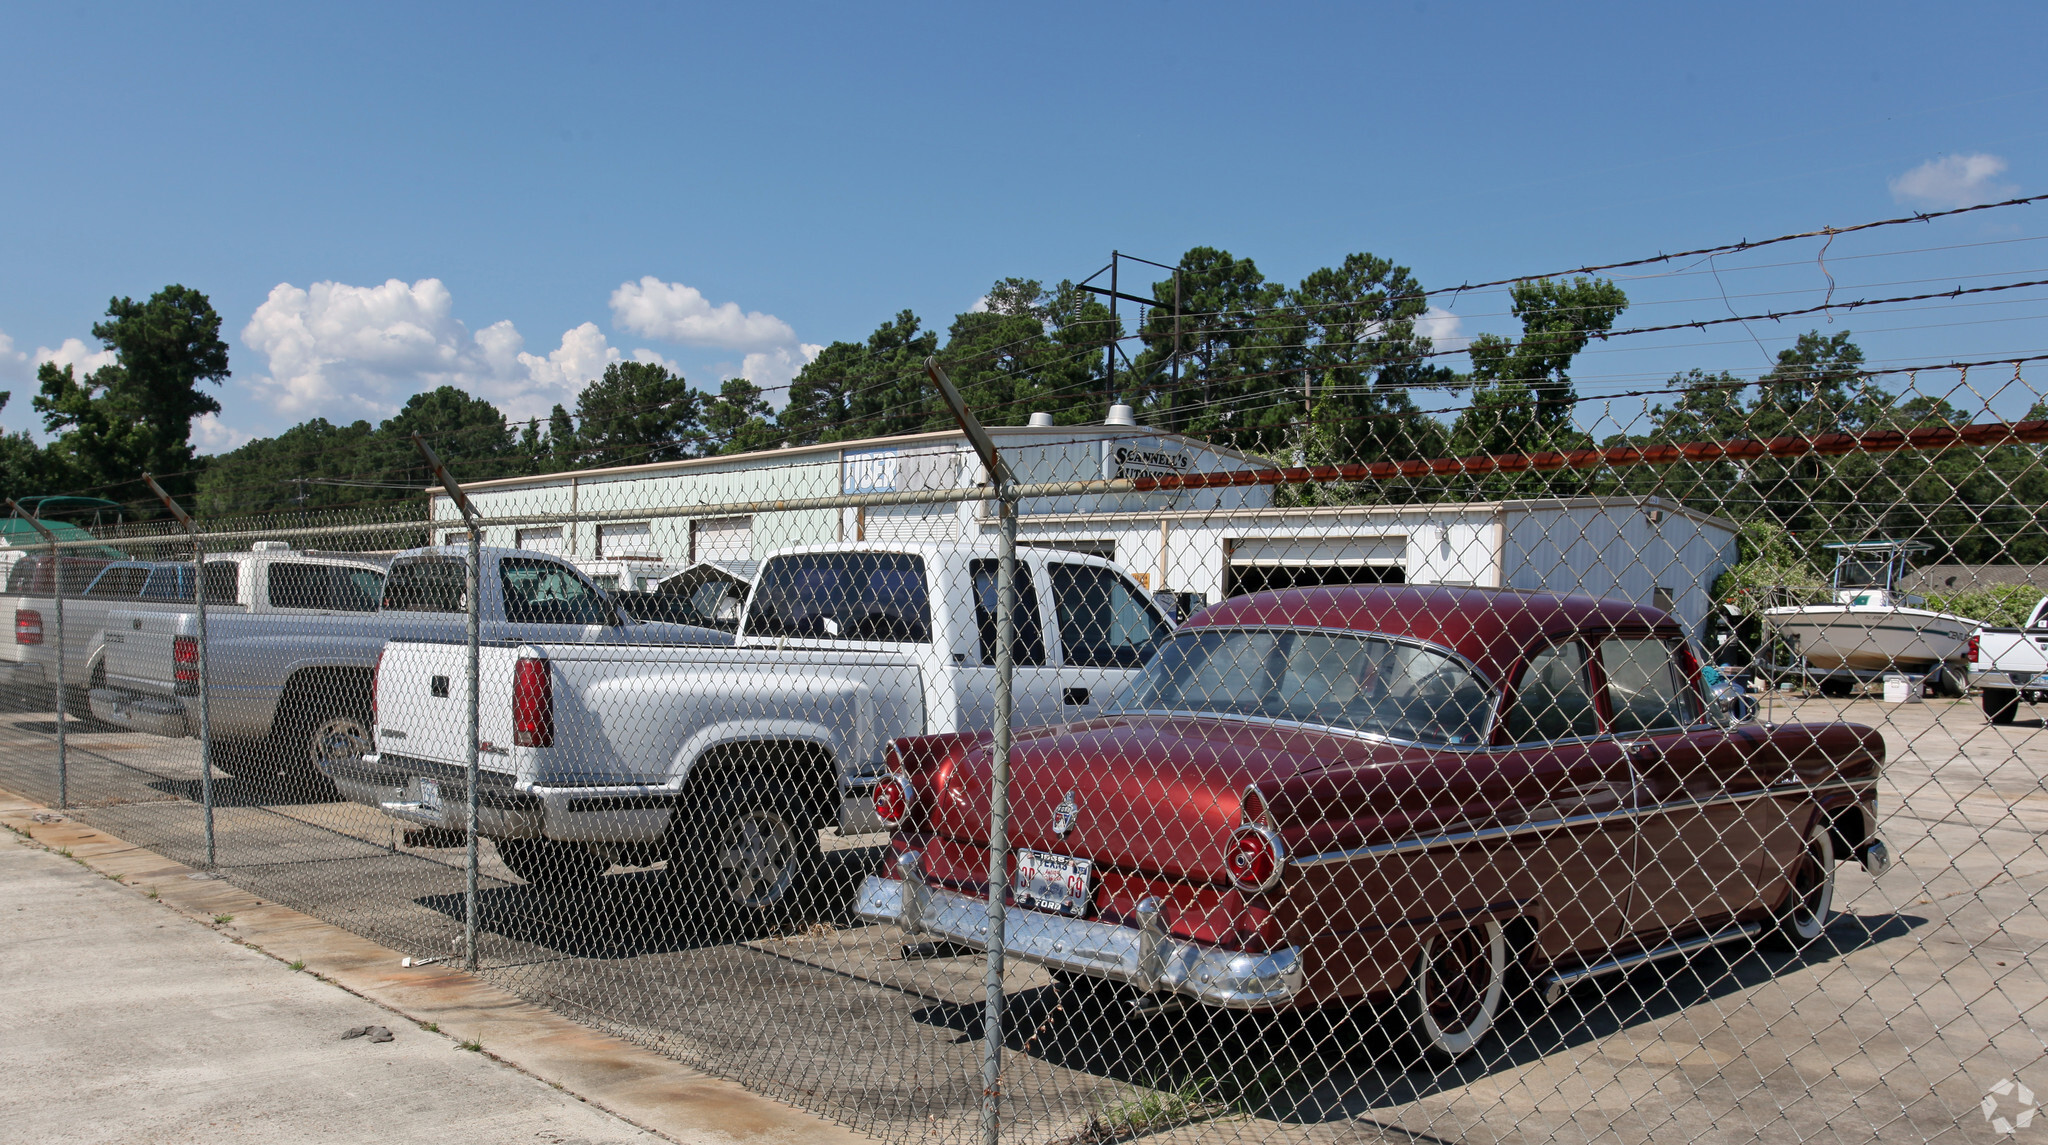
(1205, 544)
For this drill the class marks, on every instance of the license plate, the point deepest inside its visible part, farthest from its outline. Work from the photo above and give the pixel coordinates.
(1059, 884)
(430, 795)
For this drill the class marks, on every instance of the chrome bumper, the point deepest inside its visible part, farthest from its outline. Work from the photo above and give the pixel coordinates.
(156, 715)
(1145, 956)
(14, 674)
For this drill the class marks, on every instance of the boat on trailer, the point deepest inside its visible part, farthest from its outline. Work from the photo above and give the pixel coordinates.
(1870, 629)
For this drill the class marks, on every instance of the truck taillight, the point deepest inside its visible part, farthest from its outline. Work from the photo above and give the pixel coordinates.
(1976, 648)
(533, 704)
(376, 670)
(28, 626)
(1255, 858)
(185, 659)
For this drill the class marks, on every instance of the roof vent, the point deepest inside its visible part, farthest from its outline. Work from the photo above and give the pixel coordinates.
(271, 547)
(1041, 419)
(1120, 414)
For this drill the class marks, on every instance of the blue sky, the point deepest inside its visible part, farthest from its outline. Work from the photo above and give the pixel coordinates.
(378, 199)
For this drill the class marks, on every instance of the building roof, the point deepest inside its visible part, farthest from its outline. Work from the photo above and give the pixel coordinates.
(1053, 434)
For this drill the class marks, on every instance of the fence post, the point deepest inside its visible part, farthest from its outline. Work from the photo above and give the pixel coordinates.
(198, 610)
(999, 755)
(56, 594)
(475, 631)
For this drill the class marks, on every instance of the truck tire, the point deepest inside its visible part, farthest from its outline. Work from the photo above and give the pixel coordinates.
(746, 853)
(2001, 704)
(549, 864)
(309, 734)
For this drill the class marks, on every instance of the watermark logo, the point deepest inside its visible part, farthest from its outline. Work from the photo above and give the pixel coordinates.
(2021, 1106)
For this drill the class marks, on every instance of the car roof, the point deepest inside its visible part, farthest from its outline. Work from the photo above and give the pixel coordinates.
(1491, 627)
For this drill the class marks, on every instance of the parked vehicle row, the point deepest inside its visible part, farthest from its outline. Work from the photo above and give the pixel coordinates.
(1338, 796)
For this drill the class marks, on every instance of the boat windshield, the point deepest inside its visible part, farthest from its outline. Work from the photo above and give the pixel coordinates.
(1370, 684)
(1866, 570)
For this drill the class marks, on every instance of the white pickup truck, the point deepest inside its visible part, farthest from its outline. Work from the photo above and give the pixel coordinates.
(2008, 665)
(727, 762)
(291, 646)
(96, 586)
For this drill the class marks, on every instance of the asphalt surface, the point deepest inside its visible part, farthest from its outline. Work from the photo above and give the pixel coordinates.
(1922, 998)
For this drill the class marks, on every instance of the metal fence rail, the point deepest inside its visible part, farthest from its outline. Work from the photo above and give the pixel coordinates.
(1079, 784)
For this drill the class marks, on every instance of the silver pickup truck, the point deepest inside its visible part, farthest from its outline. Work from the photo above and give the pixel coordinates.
(727, 762)
(290, 667)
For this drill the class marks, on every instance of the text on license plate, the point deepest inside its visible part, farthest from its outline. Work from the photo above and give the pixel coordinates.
(430, 795)
(1056, 883)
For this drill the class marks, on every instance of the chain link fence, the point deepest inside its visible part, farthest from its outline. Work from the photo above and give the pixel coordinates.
(1089, 783)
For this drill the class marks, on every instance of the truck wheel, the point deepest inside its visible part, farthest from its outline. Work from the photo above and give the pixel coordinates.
(747, 854)
(2000, 704)
(549, 864)
(312, 736)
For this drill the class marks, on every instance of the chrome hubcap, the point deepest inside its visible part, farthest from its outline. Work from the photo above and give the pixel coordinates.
(758, 857)
(340, 737)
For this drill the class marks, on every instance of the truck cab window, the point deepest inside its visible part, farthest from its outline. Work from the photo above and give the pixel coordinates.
(1104, 621)
(1027, 641)
(843, 596)
(332, 588)
(121, 582)
(544, 592)
(426, 584)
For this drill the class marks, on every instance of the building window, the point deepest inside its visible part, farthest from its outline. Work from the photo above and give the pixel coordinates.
(455, 537)
(626, 539)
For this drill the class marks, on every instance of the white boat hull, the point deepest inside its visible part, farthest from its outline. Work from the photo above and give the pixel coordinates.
(1872, 638)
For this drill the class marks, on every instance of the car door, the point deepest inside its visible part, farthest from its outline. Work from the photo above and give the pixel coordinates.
(1035, 690)
(1697, 850)
(1563, 767)
(1107, 627)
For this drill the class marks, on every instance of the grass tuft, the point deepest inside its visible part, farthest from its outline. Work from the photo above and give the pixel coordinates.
(298, 964)
(472, 1045)
(223, 919)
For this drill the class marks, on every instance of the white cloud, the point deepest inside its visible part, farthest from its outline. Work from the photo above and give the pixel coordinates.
(210, 435)
(346, 351)
(772, 369)
(1443, 329)
(14, 365)
(1953, 181)
(74, 353)
(980, 305)
(674, 312)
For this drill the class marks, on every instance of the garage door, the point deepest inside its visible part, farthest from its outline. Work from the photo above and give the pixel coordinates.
(1261, 563)
(722, 539)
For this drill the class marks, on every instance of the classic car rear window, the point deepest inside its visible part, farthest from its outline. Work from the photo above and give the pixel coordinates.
(1361, 683)
(1645, 686)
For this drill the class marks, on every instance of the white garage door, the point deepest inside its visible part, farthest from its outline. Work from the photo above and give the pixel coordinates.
(548, 540)
(1261, 563)
(723, 539)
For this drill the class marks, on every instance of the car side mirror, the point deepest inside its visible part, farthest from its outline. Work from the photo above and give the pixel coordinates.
(1730, 703)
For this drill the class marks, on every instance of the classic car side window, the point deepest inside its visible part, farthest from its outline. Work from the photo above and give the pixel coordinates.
(1554, 699)
(1645, 686)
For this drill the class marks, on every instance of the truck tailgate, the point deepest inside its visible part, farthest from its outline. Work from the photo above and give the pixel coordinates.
(139, 644)
(423, 703)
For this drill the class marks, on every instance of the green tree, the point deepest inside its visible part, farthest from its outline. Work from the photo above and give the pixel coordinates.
(1008, 361)
(852, 390)
(1229, 337)
(1522, 394)
(736, 421)
(135, 415)
(637, 412)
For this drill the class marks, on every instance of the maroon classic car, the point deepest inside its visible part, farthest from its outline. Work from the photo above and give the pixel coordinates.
(1336, 795)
